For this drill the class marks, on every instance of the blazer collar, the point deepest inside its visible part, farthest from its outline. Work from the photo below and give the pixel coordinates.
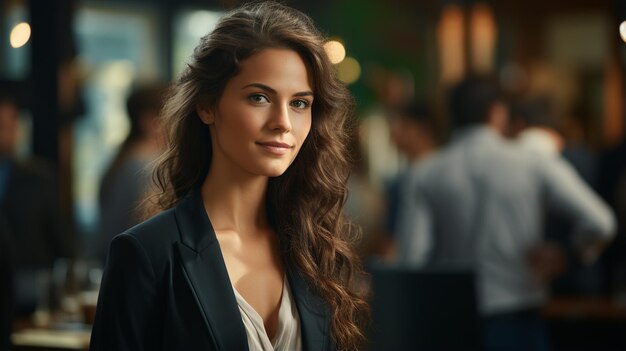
(208, 278)
(196, 231)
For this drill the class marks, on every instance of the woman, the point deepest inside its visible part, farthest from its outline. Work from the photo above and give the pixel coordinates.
(252, 250)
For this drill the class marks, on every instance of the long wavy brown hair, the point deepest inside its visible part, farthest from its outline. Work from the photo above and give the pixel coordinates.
(305, 203)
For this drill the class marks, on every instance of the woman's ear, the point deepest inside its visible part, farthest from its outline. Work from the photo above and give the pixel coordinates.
(205, 113)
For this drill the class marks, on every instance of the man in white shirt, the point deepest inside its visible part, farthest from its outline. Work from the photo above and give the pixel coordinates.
(481, 201)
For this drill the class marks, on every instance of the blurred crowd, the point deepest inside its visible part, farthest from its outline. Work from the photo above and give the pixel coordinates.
(497, 185)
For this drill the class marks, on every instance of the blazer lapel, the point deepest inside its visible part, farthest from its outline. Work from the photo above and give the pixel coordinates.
(314, 315)
(207, 276)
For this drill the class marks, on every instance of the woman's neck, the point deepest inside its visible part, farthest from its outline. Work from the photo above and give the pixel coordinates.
(235, 203)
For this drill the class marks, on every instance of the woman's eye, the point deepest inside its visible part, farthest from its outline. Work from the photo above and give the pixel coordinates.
(300, 104)
(258, 99)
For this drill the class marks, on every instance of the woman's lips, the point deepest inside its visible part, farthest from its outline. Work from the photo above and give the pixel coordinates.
(275, 147)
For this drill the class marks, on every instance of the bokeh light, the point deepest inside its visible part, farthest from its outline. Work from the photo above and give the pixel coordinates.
(451, 43)
(622, 30)
(335, 50)
(20, 35)
(349, 70)
(483, 33)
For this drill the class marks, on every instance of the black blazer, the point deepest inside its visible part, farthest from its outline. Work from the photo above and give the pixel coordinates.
(165, 287)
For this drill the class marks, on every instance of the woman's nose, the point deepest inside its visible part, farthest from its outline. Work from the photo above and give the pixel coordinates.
(280, 120)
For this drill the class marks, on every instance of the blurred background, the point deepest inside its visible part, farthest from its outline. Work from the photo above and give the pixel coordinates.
(71, 65)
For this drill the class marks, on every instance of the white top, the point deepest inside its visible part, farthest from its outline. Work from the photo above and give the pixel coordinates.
(287, 336)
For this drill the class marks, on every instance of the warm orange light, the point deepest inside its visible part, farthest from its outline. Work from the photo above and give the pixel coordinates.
(20, 35)
(335, 50)
(450, 33)
(613, 104)
(482, 38)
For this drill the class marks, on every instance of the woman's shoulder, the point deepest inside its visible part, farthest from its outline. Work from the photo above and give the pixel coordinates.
(155, 235)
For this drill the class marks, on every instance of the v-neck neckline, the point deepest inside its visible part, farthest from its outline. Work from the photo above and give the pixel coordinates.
(256, 317)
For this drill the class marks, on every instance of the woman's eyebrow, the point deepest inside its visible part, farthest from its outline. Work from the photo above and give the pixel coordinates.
(272, 91)
(304, 93)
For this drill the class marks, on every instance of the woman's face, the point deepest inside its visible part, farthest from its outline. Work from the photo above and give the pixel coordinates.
(263, 116)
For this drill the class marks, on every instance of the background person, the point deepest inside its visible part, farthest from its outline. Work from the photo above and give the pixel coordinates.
(29, 203)
(127, 181)
(414, 131)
